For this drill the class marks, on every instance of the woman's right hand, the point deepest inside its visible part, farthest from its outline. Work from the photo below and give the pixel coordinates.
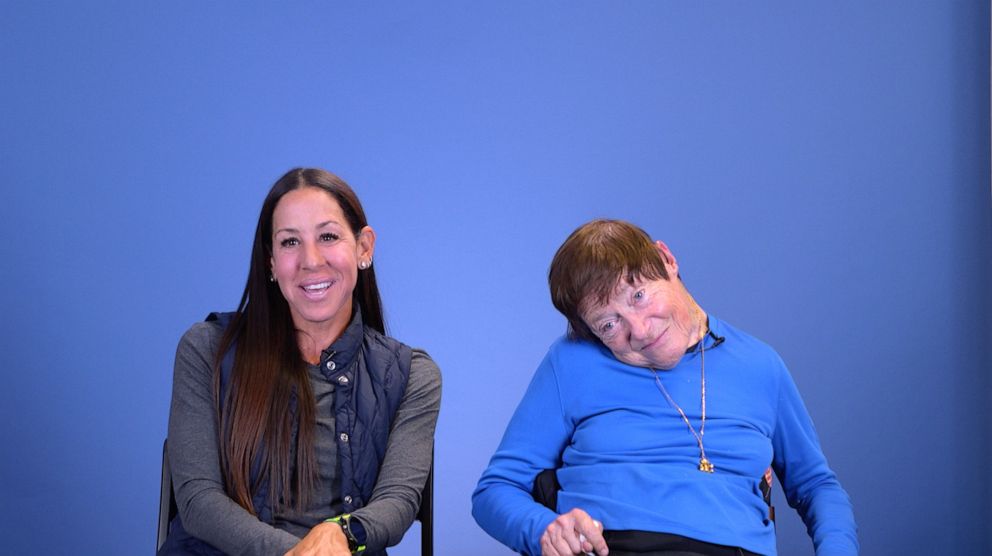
(325, 539)
(574, 533)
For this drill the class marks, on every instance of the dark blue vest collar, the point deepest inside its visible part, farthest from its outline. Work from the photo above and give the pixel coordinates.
(344, 350)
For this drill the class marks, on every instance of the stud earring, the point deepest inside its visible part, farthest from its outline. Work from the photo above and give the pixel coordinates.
(364, 264)
(272, 277)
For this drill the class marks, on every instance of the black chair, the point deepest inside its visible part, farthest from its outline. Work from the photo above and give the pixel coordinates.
(166, 500)
(425, 515)
(546, 488)
(167, 506)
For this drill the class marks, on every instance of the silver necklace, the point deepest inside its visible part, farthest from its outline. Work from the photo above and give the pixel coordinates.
(704, 464)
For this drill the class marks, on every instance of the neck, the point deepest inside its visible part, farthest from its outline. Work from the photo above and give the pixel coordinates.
(313, 342)
(312, 337)
(700, 319)
(697, 317)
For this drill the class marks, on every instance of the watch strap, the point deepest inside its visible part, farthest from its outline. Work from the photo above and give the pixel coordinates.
(344, 520)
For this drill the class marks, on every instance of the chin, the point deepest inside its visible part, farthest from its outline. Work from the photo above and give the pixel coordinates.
(664, 363)
(317, 316)
(323, 316)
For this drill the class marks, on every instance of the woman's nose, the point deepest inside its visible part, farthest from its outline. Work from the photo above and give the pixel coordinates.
(311, 256)
(639, 332)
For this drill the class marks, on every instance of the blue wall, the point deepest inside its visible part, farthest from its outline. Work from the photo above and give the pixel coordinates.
(821, 171)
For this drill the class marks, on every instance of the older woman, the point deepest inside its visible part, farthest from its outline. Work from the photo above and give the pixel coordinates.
(660, 419)
(297, 426)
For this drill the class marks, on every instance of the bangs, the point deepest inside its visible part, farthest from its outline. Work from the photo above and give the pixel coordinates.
(609, 265)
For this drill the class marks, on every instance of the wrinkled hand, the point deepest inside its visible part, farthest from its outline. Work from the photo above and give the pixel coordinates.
(573, 533)
(325, 539)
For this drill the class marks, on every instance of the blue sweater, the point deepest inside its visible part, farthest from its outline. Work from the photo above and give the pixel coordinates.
(627, 458)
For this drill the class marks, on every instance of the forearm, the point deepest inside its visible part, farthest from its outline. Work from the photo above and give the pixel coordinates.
(810, 486)
(830, 522)
(215, 518)
(510, 515)
(823, 504)
(409, 453)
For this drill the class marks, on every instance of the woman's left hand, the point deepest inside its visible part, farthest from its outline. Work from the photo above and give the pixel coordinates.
(574, 533)
(325, 539)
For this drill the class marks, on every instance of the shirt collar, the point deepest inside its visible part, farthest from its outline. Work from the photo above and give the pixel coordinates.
(712, 338)
(343, 350)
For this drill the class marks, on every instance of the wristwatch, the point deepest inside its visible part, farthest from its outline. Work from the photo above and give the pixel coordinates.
(344, 520)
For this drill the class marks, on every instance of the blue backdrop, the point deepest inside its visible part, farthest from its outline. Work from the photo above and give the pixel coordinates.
(820, 169)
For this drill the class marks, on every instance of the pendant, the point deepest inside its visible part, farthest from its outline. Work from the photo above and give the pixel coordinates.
(705, 466)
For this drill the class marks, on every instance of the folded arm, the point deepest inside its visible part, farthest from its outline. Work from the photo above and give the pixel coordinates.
(205, 509)
(502, 503)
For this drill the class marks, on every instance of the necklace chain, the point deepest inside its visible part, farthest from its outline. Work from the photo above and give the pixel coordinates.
(704, 464)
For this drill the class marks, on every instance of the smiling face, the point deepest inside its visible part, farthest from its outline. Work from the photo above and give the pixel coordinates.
(315, 260)
(650, 322)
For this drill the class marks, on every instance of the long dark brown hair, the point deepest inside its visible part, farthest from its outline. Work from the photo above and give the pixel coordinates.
(254, 416)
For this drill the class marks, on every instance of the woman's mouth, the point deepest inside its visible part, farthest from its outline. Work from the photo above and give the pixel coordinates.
(316, 290)
(653, 342)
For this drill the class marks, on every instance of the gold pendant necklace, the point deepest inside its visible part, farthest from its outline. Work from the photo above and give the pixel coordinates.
(704, 464)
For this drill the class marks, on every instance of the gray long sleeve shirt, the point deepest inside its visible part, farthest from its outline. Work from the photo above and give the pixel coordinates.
(209, 514)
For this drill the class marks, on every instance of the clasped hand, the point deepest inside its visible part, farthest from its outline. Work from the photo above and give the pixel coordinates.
(573, 533)
(325, 539)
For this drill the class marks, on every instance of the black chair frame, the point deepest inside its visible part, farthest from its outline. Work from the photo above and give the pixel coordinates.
(546, 488)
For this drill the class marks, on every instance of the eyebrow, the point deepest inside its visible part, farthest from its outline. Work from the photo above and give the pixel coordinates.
(295, 231)
(596, 317)
(603, 311)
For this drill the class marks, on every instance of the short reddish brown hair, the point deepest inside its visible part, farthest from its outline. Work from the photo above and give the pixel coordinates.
(588, 268)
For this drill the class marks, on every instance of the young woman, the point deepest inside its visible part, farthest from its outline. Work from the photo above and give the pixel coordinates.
(297, 426)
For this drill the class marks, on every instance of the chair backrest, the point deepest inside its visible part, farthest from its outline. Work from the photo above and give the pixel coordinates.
(546, 488)
(166, 501)
(167, 506)
(425, 515)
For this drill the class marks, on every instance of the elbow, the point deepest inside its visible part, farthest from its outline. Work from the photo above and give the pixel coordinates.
(479, 501)
(193, 522)
(480, 513)
(486, 510)
(195, 517)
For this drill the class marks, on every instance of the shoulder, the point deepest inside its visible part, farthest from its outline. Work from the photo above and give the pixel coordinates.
(742, 340)
(196, 352)
(566, 354)
(747, 354)
(424, 372)
(422, 364)
(378, 341)
(202, 337)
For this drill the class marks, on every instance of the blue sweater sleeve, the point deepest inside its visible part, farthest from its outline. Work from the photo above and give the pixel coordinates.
(538, 432)
(810, 486)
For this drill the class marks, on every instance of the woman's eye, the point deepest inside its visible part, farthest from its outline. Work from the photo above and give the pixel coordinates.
(328, 237)
(606, 328)
(639, 295)
(289, 242)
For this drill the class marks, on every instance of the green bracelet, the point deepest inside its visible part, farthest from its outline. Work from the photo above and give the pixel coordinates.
(344, 520)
